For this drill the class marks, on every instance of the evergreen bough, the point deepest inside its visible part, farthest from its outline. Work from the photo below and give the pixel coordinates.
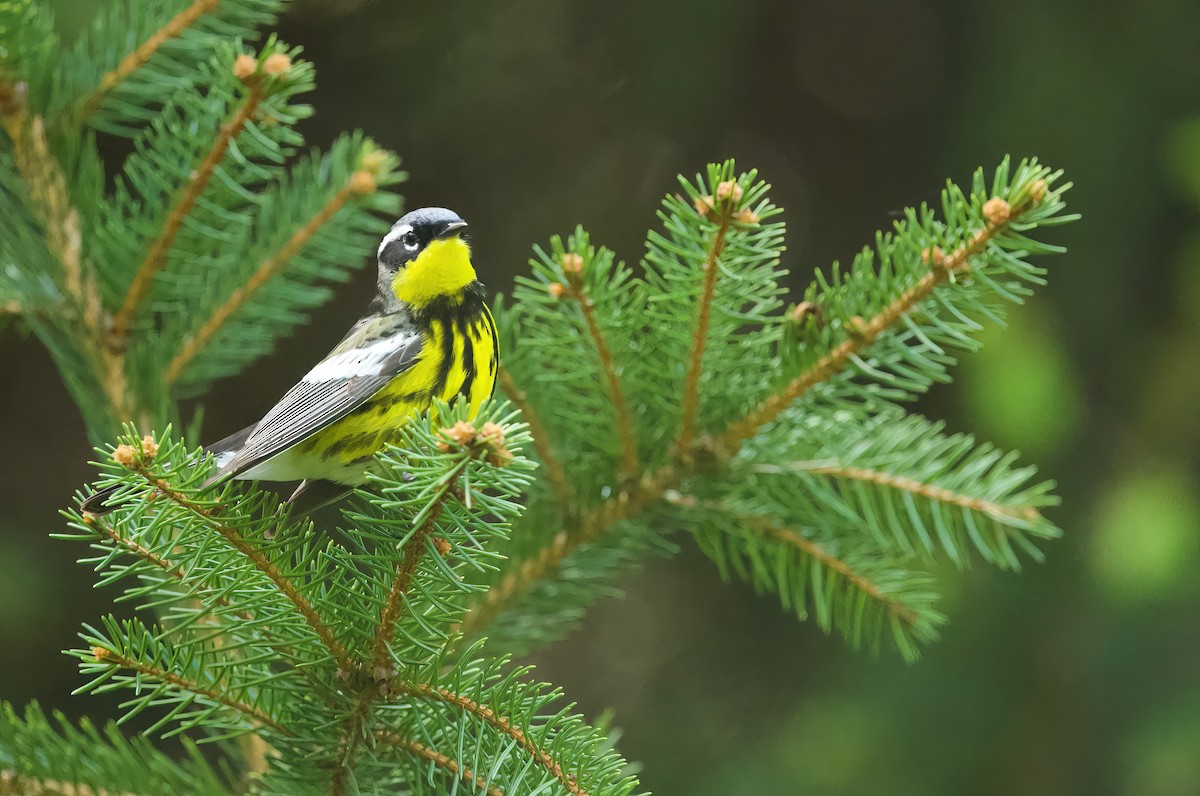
(677, 398)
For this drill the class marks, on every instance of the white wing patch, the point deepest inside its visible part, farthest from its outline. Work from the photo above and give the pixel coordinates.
(224, 457)
(396, 232)
(356, 362)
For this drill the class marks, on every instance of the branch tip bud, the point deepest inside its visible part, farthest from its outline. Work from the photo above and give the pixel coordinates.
(373, 160)
(996, 211)
(729, 190)
(149, 446)
(803, 312)
(489, 441)
(244, 67)
(362, 182)
(100, 654)
(572, 263)
(278, 65)
(1037, 190)
(556, 289)
(704, 205)
(125, 455)
(442, 546)
(933, 255)
(746, 216)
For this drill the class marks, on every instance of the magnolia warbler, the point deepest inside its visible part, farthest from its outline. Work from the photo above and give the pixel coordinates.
(427, 334)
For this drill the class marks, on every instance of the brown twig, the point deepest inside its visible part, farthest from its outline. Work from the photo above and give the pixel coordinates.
(915, 487)
(342, 784)
(501, 723)
(156, 256)
(261, 563)
(629, 453)
(180, 575)
(691, 387)
(585, 529)
(266, 270)
(555, 474)
(48, 188)
(653, 485)
(144, 553)
(448, 764)
(863, 334)
(414, 549)
(15, 784)
(108, 656)
(138, 58)
(809, 548)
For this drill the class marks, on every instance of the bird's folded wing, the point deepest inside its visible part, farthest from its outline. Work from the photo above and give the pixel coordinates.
(338, 385)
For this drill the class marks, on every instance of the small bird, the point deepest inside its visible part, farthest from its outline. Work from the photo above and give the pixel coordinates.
(427, 334)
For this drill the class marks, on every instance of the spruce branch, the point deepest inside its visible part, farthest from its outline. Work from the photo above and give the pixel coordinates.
(901, 481)
(49, 194)
(583, 530)
(44, 755)
(47, 186)
(726, 205)
(121, 542)
(555, 475)
(261, 562)
(138, 58)
(573, 265)
(360, 182)
(1001, 511)
(155, 258)
(406, 567)
(921, 301)
(809, 549)
(205, 596)
(942, 269)
(113, 658)
(498, 721)
(442, 761)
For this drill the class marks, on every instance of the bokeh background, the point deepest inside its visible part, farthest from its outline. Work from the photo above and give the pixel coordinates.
(1080, 676)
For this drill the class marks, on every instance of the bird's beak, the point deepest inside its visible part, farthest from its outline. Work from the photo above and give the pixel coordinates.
(452, 228)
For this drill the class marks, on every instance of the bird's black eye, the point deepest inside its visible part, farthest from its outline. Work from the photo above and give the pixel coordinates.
(409, 239)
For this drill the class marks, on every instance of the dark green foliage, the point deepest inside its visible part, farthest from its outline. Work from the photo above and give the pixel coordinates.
(43, 755)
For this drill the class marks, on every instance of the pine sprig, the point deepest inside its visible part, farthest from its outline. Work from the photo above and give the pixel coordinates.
(48, 754)
(859, 342)
(194, 679)
(241, 647)
(579, 296)
(494, 713)
(205, 215)
(865, 596)
(261, 288)
(117, 90)
(914, 490)
(200, 185)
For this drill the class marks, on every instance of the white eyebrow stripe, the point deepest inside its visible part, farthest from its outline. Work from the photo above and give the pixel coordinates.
(396, 232)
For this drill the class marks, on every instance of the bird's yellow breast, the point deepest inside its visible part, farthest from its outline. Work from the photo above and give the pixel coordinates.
(378, 421)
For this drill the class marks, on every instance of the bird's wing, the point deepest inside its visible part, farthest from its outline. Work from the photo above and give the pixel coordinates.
(339, 384)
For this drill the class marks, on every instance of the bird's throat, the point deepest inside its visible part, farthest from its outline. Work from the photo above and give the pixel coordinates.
(442, 271)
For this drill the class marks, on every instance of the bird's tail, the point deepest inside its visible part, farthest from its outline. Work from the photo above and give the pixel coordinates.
(101, 501)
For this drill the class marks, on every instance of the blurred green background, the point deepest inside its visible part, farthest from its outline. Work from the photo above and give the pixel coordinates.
(1078, 676)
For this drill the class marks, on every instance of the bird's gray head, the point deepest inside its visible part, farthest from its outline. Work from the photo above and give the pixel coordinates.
(424, 257)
